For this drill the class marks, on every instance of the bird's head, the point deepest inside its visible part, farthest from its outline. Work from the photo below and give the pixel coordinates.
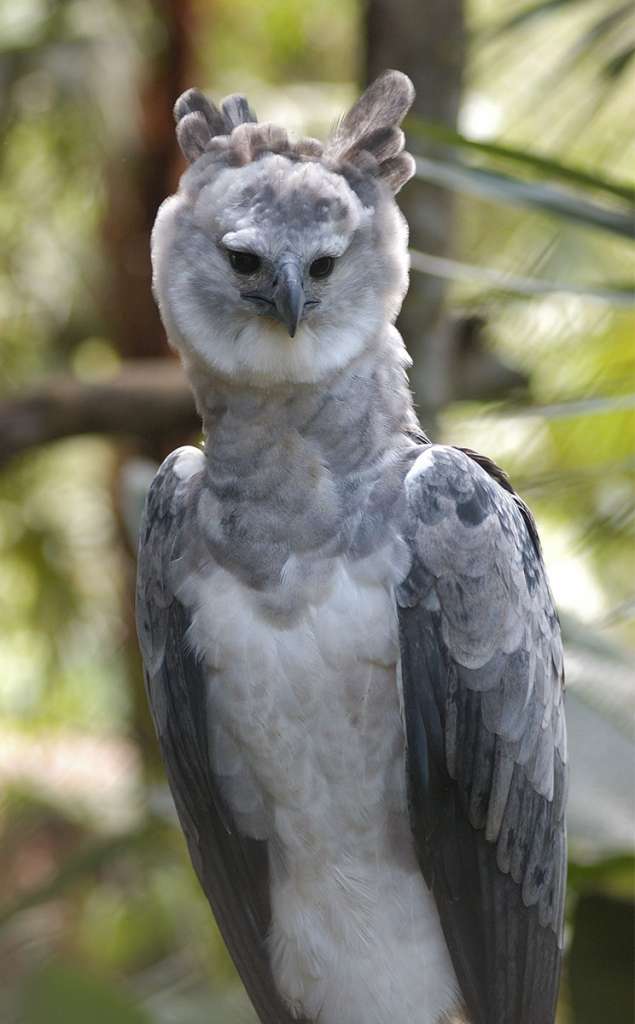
(281, 260)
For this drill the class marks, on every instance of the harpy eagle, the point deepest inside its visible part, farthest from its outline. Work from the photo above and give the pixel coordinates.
(352, 655)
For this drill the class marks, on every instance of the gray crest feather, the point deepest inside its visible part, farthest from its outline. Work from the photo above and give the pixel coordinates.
(236, 110)
(194, 101)
(385, 102)
(371, 129)
(382, 143)
(193, 135)
(199, 122)
(368, 137)
(249, 141)
(397, 171)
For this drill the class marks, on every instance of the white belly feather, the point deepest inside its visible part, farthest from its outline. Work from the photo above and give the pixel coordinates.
(307, 742)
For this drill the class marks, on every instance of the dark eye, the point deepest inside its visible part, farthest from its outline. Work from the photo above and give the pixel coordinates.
(322, 267)
(243, 262)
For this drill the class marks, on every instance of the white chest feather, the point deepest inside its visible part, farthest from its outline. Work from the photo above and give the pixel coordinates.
(308, 746)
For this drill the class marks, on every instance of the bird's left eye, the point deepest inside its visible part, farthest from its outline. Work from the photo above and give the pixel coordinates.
(243, 262)
(322, 267)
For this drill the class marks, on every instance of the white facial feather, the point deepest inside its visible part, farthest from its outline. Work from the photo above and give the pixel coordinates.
(275, 207)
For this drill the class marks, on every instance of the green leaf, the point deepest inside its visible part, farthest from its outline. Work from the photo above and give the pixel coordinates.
(61, 994)
(618, 64)
(532, 13)
(596, 405)
(516, 284)
(593, 39)
(432, 131)
(502, 188)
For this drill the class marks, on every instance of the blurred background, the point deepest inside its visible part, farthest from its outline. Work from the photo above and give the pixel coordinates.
(520, 321)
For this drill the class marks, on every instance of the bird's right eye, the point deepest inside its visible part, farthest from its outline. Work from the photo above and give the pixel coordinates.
(243, 262)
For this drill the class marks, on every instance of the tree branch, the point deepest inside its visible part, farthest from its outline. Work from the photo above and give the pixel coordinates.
(149, 399)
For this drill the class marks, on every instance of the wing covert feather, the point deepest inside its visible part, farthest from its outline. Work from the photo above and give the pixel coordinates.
(232, 868)
(481, 665)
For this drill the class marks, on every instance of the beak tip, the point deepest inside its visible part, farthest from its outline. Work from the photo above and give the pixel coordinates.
(289, 296)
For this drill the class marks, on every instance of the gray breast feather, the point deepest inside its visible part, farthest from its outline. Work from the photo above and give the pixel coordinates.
(483, 699)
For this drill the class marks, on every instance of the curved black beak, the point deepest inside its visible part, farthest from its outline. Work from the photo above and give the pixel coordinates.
(288, 295)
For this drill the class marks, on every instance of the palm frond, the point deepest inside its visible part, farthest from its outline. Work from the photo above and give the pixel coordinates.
(545, 197)
(547, 167)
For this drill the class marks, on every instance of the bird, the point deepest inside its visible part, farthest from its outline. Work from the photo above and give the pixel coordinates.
(352, 655)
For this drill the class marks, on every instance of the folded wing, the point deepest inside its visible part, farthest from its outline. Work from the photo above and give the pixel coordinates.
(232, 868)
(481, 663)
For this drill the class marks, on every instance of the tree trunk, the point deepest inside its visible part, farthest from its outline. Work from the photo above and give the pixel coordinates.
(138, 180)
(427, 41)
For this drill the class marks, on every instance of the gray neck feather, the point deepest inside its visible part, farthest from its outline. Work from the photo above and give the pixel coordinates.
(310, 470)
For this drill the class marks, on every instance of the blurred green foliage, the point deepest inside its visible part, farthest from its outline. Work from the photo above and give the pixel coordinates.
(285, 42)
(64, 994)
(100, 916)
